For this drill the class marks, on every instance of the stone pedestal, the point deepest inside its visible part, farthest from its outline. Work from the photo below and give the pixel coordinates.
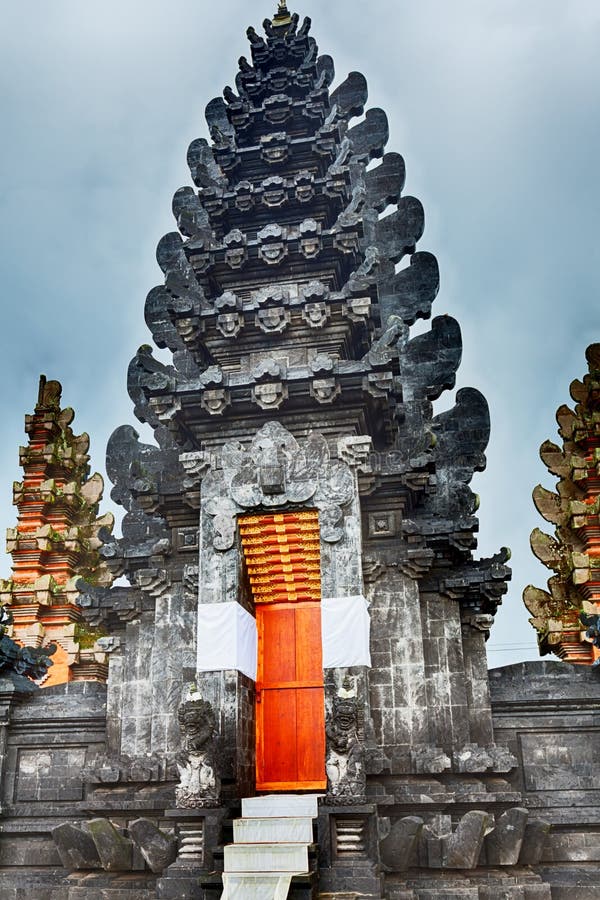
(349, 851)
(193, 875)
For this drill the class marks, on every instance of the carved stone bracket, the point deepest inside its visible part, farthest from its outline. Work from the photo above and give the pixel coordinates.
(356, 452)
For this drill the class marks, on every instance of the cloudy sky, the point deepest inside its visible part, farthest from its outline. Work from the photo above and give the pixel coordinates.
(494, 105)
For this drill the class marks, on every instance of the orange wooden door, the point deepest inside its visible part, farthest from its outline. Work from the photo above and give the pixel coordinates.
(290, 707)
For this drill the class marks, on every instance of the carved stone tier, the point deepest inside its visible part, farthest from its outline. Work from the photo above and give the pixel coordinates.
(571, 605)
(56, 542)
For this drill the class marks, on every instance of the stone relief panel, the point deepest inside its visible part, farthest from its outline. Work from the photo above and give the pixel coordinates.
(569, 762)
(273, 472)
(49, 774)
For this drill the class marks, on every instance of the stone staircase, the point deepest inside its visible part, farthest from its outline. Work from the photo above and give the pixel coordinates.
(271, 844)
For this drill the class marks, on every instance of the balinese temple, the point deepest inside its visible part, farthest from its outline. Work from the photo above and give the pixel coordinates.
(560, 614)
(294, 617)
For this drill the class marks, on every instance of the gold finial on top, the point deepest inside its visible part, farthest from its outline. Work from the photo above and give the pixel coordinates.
(282, 16)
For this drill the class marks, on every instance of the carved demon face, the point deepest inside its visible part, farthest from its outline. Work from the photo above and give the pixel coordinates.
(197, 723)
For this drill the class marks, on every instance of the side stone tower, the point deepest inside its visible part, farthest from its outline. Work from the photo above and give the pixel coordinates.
(561, 613)
(56, 542)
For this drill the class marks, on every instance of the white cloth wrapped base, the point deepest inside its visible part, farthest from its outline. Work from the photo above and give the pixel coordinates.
(346, 632)
(227, 639)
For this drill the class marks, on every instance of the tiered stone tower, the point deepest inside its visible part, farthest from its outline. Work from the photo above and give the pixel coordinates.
(56, 542)
(298, 407)
(299, 628)
(574, 553)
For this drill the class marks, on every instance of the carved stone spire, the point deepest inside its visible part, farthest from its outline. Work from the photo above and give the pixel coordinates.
(56, 541)
(573, 554)
(292, 383)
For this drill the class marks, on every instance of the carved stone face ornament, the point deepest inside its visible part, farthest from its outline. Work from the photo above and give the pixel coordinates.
(275, 147)
(278, 109)
(272, 241)
(274, 191)
(230, 324)
(325, 390)
(269, 396)
(215, 402)
(235, 249)
(305, 188)
(273, 471)
(272, 319)
(310, 238)
(316, 314)
(197, 724)
(244, 199)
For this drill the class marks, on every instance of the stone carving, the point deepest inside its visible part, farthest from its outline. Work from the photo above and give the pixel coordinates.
(459, 848)
(534, 841)
(76, 848)
(200, 784)
(114, 850)
(235, 249)
(503, 845)
(429, 760)
(398, 848)
(27, 662)
(272, 244)
(493, 758)
(98, 845)
(158, 849)
(345, 765)
(272, 320)
(356, 452)
(274, 471)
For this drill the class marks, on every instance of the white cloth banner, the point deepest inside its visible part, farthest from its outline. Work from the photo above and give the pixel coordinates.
(226, 639)
(346, 629)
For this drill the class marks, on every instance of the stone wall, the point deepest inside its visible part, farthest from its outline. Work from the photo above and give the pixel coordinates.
(548, 715)
(46, 742)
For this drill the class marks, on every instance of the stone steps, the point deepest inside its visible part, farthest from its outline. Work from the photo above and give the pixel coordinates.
(281, 805)
(271, 847)
(267, 831)
(279, 857)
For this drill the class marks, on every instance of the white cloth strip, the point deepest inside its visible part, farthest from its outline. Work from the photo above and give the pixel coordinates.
(227, 639)
(346, 629)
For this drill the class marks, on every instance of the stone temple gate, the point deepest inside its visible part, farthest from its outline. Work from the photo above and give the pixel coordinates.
(285, 691)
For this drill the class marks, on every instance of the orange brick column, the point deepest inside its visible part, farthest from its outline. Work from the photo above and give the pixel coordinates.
(56, 541)
(574, 552)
